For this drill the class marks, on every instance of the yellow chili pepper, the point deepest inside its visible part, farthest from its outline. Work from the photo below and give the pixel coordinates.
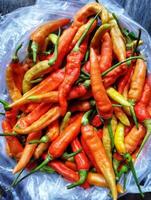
(121, 116)
(119, 139)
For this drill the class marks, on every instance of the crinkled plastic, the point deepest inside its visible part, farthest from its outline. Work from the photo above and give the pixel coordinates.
(15, 28)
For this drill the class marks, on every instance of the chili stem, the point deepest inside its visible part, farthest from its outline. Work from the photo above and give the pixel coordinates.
(15, 57)
(138, 39)
(34, 48)
(69, 155)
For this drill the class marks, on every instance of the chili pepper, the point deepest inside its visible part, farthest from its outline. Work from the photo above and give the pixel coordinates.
(79, 91)
(37, 70)
(81, 30)
(59, 145)
(73, 67)
(100, 133)
(117, 156)
(71, 165)
(39, 35)
(116, 96)
(51, 134)
(103, 104)
(43, 66)
(137, 81)
(13, 91)
(82, 163)
(141, 107)
(15, 146)
(50, 83)
(96, 121)
(98, 153)
(127, 129)
(65, 121)
(88, 10)
(96, 179)
(121, 116)
(106, 53)
(86, 67)
(27, 152)
(119, 139)
(41, 123)
(30, 107)
(11, 116)
(134, 138)
(82, 106)
(124, 80)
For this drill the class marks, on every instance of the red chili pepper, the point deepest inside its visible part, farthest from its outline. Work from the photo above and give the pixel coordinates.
(106, 52)
(82, 163)
(127, 129)
(72, 73)
(141, 107)
(103, 103)
(15, 146)
(100, 133)
(33, 116)
(86, 67)
(117, 156)
(11, 116)
(66, 172)
(71, 165)
(27, 152)
(96, 121)
(125, 79)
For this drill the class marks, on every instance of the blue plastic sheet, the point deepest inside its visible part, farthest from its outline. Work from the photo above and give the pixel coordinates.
(15, 28)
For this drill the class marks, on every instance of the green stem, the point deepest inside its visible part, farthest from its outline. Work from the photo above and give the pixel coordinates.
(128, 157)
(116, 164)
(69, 155)
(36, 80)
(2, 113)
(83, 175)
(87, 83)
(125, 180)
(76, 47)
(109, 126)
(134, 116)
(120, 63)
(44, 163)
(34, 48)
(87, 55)
(122, 171)
(85, 117)
(17, 177)
(53, 38)
(55, 56)
(44, 139)
(5, 104)
(47, 169)
(15, 57)
(85, 73)
(8, 134)
(116, 105)
(138, 39)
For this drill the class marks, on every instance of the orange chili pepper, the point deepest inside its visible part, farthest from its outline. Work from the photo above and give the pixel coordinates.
(71, 165)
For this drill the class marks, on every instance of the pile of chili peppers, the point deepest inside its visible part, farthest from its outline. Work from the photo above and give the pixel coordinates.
(81, 103)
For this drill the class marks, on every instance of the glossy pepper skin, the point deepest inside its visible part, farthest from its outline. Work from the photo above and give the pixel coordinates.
(141, 107)
(40, 34)
(27, 152)
(137, 81)
(98, 153)
(103, 103)
(134, 138)
(14, 145)
(58, 146)
(72, 73)
(51, 134)
(82, 163)
(41, 123)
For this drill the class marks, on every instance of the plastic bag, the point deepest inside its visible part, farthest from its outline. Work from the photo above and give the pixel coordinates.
(15, 28)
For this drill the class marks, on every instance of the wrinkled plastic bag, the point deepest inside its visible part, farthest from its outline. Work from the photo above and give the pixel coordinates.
(16, 28)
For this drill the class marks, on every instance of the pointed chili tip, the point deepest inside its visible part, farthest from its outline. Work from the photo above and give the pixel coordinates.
(83, 175)
(85, 117)
(34, 48)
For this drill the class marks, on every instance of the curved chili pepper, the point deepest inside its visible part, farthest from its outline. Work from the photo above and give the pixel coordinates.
(27, 120)
(98, 153)
(51, 134)
(41, 123)
(39, 35)
(96, 121)
(27, 152)
(103, 103)
(88, 10)
(106, 53)
(141, 107)
(96, 179)
(137, 81)
(15, 146)
(134, 138)
(82, 163)
(121, 116)
(11, 116)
